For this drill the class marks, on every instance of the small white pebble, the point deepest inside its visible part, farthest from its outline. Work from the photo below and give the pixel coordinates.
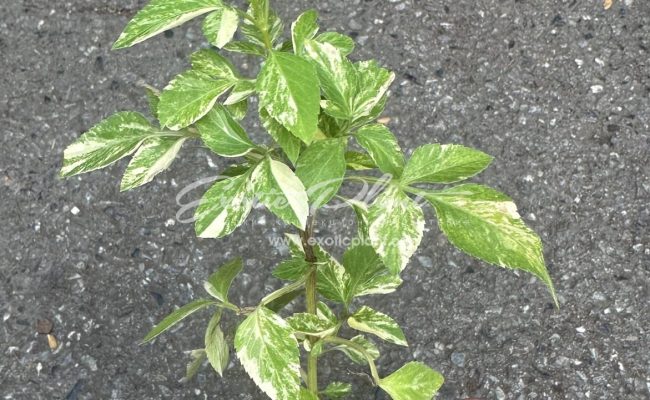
(596, 88)
(170, 222)
(581, 329)
(39, 368)
(6, 317)
(75, 211)
(579, 62)
(599, 62)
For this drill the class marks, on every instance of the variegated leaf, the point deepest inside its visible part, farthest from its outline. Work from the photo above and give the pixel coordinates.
(224, 207)
(153, 98)
(216, 347)
(290, 144)
(382, 147)
(368, 274)
(189, 97)
(355, 355)
(198, 356)
(154, 156)
(245, 48)
(112, 139)
(280, 190)
(214, 64)
(345, 44)
(223, 135)
(414, 381)
(368, 320)
(396, 225)
(321, 168)
(304, 28)
(337, 77)
(311, 325)
(218, 284)
(449, 163)
(268, 351)
(288, 90)
(337, 390)
(220, 26)
(161, 15)
(373, 82)
(242, 90)
(485, 224)
(357, 161)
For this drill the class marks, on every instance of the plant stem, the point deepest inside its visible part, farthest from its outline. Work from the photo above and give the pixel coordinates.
(311, 298)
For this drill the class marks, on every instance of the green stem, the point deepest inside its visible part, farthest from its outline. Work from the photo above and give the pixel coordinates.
(311, 299)
(360, 349)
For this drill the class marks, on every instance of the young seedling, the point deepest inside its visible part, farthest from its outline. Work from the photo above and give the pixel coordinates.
(315, 104)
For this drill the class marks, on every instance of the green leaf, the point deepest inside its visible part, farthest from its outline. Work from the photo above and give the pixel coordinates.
(216, 347)
(224, 207)
(373, 82)
(361, 210)
(343, 43)
(414, 381)
(219, 282)
(321, 168)
(214, 64)
(368, 320)
(154, 156)
(396, 227)
(292, 269)
(282, 301)
(290, 144)
(262, 27)
(310, 324)
(176, 317)
(269, 353)
(382, 147)
(450, 163)
(161, 15)
(189, 97)
(198, 356)
(238, 110)
(223, 135)
(304, 28)
(245, 48)
(332, 280)
(153, 98)
(485, 224)
(355, 355)
(280, 190)
(359, 161)
(324, 312)
(241, 91)
(337, 77)
(112, 139)
(220, 26)
(368, 274)
(337, 390)
(288, 89)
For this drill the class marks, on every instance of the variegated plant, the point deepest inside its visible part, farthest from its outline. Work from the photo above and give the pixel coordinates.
(314, 103)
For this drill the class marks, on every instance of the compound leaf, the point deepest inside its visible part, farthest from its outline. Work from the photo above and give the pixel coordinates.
(449, 163)
(161, 15)
(414, 381)
(268, 351)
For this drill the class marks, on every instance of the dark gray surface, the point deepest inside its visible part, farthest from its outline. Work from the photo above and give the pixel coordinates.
(558, 91)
